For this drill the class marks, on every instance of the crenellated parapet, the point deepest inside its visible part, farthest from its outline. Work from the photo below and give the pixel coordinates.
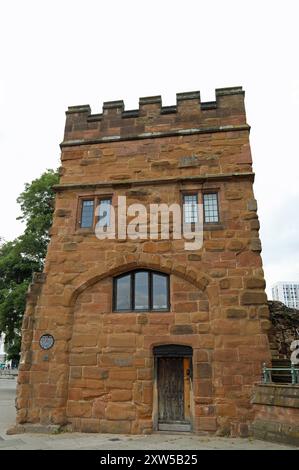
(204, 308)
(152, 119)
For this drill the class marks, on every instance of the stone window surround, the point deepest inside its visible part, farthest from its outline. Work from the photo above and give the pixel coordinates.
(150, 309)
(199, 192)
(217, 205)
(96, 198)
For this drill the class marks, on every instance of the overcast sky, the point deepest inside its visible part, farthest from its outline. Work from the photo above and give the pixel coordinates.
(68, 52)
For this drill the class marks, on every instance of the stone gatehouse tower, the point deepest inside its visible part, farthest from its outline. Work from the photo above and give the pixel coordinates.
(148, 335)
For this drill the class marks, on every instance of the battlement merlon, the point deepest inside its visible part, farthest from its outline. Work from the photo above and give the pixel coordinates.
(152, 119)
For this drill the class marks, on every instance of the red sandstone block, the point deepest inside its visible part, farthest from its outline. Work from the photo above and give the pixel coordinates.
(121, 374)
(83, 359)
(21, 403)
(203, 306)
(200, 356)
(47, 390)
(253, 297)
(249, 259)
(57, 416)
(75, 394)
(122, 340)
(120, 411)
(75, 372)
(115, 427)
(39, 377)
(96, 308)
(227, 380)
(147, 394)
(94, 372)
(90, 425)
(225, 355)
(99, 407)
(119, 318)
(185, 307)
(233, 341)
(39, 366)
(252, 327)
(229, 300)
(58, 373)
(204, 388)
(182, 318)
(263, 311)
(161, 318)
(91, 393)
(204, 370)
(145, 374)
(180, 296)
(85, 298)
(237, 368)
(203, 328)
(121, 395)
(253, 354)
(255, 283)
(204, 410)
(226, 326)
(206, 341)
(144, 411)
(78, 409)
(158, 329)
(206, 423)
(118, 384)
(157, 247)
(97, 384)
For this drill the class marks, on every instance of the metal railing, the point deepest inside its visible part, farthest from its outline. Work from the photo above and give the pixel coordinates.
(267, 373)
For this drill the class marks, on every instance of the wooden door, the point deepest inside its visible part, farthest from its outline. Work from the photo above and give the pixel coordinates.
(171, 406)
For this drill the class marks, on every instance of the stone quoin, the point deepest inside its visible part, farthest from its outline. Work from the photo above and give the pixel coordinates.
(147, 335)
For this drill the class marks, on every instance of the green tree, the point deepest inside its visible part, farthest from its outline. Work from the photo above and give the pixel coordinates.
(37, 206)
(24, 255)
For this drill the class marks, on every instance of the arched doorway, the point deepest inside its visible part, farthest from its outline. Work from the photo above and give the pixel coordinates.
(173, 387)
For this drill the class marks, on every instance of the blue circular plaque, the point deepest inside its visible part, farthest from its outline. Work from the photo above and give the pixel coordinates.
(46, 341)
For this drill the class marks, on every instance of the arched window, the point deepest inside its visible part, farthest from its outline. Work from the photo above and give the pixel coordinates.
(141, 290)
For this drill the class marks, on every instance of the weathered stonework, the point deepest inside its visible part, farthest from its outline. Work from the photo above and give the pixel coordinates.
(100, 374)
(276, 408)
(283, 331)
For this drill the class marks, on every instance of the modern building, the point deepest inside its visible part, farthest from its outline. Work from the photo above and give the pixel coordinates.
(286, 292)
(132, 333)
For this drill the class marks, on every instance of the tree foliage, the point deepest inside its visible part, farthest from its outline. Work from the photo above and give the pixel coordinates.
(24, 255)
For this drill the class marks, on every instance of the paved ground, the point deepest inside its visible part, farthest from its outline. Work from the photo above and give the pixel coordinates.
(110, 441)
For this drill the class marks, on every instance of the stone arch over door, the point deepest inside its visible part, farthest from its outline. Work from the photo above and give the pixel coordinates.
(108, 350)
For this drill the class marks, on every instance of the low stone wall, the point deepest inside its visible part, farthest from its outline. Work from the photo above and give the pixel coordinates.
(276, 410)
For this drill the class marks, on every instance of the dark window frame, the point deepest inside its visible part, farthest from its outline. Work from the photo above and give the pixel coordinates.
(132, 308)
(96, 201)
(80, 210)
(184, 194)
(203, 205)
(200, 200)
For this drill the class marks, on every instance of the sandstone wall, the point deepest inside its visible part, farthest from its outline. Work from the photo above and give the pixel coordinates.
(99, 374)
(276, 409)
